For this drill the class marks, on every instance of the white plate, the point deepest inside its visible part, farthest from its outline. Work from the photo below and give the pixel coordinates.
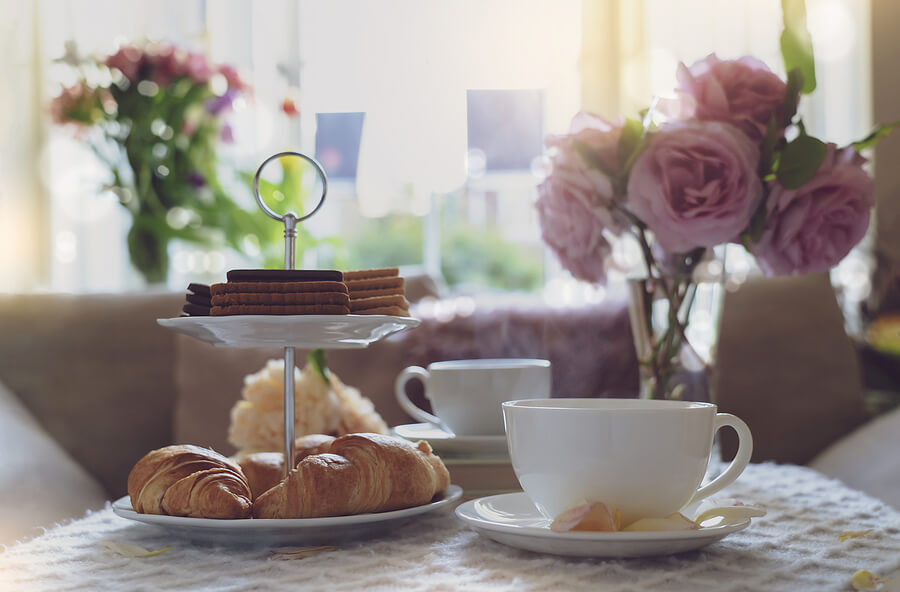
(310, 331)
(441, 441)
(310, 531)
(512, 519)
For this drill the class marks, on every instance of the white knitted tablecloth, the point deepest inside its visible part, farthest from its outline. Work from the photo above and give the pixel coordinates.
(795, 547)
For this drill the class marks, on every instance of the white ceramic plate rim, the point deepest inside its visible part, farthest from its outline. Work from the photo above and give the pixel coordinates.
(429, 431)
(122, 507)
(468, 512)
(311, 319)
(334, 331)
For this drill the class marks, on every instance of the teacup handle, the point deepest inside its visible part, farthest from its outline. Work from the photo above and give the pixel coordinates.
(741, 459)
(400, 392)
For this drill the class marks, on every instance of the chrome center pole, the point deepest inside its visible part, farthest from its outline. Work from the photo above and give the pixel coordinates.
(290, 220)
(290, 446)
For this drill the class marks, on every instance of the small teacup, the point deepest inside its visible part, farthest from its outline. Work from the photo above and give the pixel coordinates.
(466, 394)
(644, 458)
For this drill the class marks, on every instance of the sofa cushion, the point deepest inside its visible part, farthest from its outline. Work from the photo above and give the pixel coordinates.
(867, 459)
(786, 366)
(40, 484)
(95, 371)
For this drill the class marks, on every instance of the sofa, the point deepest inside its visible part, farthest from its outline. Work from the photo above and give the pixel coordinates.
(90, 383)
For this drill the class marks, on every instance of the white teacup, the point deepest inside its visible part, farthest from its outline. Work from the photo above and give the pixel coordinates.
(644, 458)
(466, 394)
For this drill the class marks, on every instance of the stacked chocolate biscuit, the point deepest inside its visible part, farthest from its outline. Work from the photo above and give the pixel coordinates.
(280, 292)
(198, 300)
(377, 292)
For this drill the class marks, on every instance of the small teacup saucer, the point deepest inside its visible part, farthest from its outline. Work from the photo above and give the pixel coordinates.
(513, 519)
(441, 441)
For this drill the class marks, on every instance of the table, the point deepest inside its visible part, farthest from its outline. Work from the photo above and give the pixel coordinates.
(795, 547)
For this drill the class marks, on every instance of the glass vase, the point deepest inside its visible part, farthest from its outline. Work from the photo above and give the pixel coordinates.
(674, 323)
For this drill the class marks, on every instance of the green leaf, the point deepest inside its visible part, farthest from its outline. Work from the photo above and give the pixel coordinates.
(317, 358)
(630, 140)
(875, 136)
(792, 94)
(758, 221)
(796, 43)
(591, 158)
(767, 149)
(800, 160)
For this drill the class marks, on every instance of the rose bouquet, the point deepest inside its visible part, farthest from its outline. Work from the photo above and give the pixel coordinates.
(727, 161)
(154, 115)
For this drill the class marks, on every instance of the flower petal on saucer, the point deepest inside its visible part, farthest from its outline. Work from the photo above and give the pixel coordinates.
(589, 516)
(672, 522)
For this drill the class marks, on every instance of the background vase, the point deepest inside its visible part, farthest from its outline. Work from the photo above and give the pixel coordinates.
(149, 253)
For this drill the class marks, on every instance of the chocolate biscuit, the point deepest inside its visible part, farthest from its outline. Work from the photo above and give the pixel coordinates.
(276, 287)
(361, 294)
(198, 299)
(395, 311)
(398, 300)
(290, 309)
(388, 283)
(234, 298)
(284, 275)
(368, 274)
(195, 310)
(199, 289)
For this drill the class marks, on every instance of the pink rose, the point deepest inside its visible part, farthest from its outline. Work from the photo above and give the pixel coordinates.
(574, 207)
(588, 183)
(812, 228)
(573, 231)
(742, 92)
(695, 185)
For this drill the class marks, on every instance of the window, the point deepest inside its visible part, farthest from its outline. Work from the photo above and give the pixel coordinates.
(429, 117)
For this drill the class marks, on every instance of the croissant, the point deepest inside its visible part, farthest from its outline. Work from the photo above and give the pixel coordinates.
(189, 481)
(264, 470)
(360, 473)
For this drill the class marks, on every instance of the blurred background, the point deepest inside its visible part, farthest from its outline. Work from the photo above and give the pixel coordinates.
(429, 118)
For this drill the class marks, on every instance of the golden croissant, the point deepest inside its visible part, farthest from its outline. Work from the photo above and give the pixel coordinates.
(359, 473)
(189, 481)
(265, 470)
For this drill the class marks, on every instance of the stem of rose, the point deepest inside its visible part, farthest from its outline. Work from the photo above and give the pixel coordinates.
(664, 351)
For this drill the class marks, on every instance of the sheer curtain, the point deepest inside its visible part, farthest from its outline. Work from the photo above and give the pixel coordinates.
(24, 209)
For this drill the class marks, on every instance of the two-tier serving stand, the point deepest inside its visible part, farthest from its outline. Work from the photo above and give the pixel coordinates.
(289, 332)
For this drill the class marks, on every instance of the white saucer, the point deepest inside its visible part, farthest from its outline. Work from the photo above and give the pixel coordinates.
(328, 331)
(441, 441)
(512, 519)
(310, 531)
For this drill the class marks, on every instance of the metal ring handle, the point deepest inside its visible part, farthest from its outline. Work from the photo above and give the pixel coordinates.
(267, 209)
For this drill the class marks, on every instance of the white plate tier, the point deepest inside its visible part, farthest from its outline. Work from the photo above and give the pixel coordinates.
(512, 519)
(306, 531)
(305, 331)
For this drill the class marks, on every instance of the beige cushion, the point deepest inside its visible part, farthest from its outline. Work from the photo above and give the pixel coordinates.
(40, 484)
(95, 371)
(786, 366)
(867, 459)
